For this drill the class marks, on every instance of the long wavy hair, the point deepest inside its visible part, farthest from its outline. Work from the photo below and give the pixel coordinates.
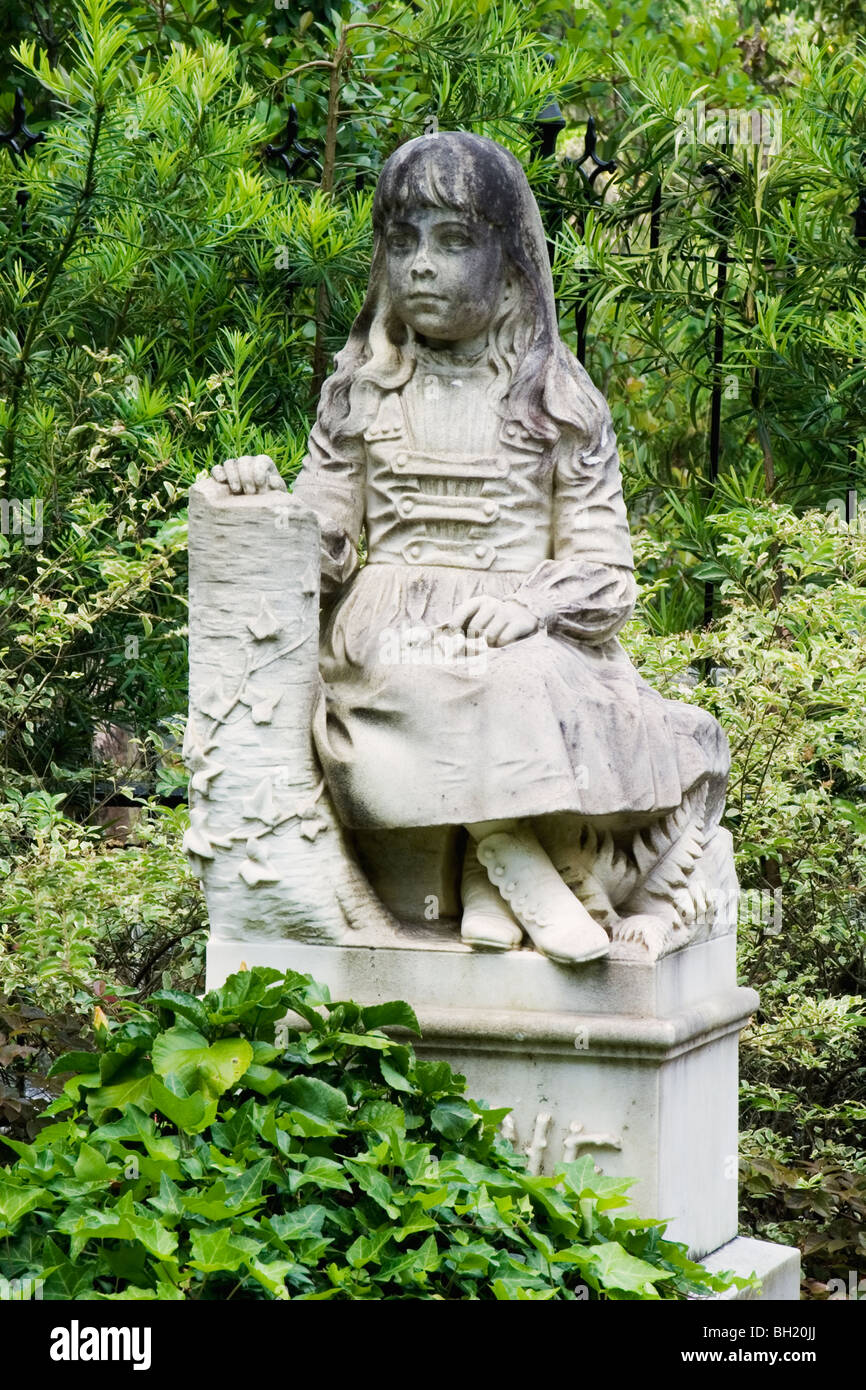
(538, 384)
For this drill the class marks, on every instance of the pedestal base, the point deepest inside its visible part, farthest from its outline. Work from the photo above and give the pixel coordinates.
(635, 1063)
(777, 1266)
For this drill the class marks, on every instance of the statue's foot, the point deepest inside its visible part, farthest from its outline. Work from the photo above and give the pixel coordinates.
(496, 933)
(487, 920)
(557, 922)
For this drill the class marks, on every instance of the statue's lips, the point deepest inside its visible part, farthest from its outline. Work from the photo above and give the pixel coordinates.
(422, 297)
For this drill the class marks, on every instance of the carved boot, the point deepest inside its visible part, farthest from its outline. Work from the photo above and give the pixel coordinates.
(487, 919)
(557, 922)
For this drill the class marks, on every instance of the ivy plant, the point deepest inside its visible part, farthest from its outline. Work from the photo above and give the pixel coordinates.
(265, 1143)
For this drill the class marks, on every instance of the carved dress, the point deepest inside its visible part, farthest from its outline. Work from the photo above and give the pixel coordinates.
(456, 502)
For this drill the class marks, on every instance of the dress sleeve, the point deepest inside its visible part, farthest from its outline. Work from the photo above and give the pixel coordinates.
(586, 591)
(332, 483)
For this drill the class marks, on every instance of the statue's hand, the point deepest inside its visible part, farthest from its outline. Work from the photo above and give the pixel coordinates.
(499, 621)
(250, 473)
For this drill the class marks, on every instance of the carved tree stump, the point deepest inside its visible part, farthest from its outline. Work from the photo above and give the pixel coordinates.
(263, 836)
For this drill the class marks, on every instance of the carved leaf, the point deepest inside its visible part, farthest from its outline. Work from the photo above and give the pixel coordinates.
(265, 624)
(204, 775)
(311, 828)
(598, 873)
(666, 855)
(198, 839)
(261, 805)
(215, 702)
(257, 868)
(261, 701)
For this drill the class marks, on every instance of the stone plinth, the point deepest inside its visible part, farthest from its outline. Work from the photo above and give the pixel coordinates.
(633, 1063)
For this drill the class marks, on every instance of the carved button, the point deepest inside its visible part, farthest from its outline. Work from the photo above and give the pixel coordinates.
(510, 431)
(401, 460)
(415, 551)
(489, 508)
(481, 551)
(406, 505)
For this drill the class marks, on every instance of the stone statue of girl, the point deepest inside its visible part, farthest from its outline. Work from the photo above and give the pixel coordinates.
(461, 437)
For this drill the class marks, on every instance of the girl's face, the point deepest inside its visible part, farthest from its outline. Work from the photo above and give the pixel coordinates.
(444, 273)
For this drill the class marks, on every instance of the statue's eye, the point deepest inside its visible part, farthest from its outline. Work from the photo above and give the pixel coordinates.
(456, 241)
(400, 241)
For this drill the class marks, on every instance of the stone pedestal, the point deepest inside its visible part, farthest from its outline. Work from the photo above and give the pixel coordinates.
(633, 1063)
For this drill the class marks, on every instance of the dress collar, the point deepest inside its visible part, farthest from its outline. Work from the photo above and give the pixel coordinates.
(448, 361)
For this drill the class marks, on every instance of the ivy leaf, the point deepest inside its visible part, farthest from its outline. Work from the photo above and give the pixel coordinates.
(413, 1264)
(321, 1172)
(134, 1089)
(617, 1269)
(452, 1118)
(184, 1005)
(75, 1062)
(375, 1184)
(190, 1113)
(170, 1200)
(155, 1237)
(272, 1276)
(382, 1115)
(518, 1291)
(66, 1281)
(16, 1201)
(393, 1015)
(434, 1078)
(247, 1186)
(367, 1249)
(317, 1098)
(394, 1078)
(214, 1250)
(90, 1166)
(212, 1069)
(300, 1225)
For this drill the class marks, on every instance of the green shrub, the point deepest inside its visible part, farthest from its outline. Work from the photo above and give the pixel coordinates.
(209, 1150)
(81, 918)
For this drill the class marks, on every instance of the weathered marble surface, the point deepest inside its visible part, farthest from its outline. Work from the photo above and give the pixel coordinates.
(475, 704)
(274, 857)
(437, 776)
(263, 835)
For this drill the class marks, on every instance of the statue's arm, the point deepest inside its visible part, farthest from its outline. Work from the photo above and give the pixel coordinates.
(332, 483)
(587, 590)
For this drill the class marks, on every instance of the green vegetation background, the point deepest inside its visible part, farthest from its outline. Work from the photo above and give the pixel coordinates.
(168, 297)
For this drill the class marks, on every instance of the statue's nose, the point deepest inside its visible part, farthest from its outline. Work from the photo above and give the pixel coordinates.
(422, 265)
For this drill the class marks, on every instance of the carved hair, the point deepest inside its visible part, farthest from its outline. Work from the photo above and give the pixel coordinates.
(540, 384)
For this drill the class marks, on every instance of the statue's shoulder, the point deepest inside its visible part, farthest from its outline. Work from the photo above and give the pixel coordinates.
(375, 410)
(349, 407)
